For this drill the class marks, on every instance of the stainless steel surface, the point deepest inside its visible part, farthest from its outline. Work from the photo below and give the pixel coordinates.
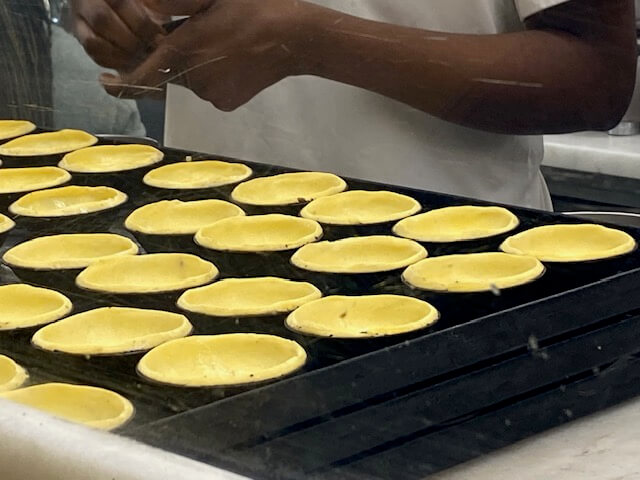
(625, 129)
(617, 218)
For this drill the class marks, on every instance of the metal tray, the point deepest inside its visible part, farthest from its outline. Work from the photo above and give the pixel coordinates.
(231, 426)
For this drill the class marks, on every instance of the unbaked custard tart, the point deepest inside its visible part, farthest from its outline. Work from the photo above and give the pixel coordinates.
(91, 406)
(49, 143)
(222, 360)
(143, 274)
(288, 188)
(475, 272)
(570, 243)
(28, 179)
(360, 207)
(68, 251)
(24, 306)
(198, 174)
(457, 224)
(111, 158)
(12, 375)
(239, 297)
(112, 330)
(259, 233)
(355, 255)
(67, 201)
(15, 128)
(175, 217)
(366, 316)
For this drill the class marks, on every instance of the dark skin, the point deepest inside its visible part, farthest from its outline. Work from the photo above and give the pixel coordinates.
(117, 34)
(573, 68)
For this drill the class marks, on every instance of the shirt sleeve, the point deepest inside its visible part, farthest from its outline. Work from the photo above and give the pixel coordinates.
(526, 8)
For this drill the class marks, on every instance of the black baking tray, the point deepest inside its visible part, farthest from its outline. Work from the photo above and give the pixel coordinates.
(398, 437)
(260, 430)
(440, 446)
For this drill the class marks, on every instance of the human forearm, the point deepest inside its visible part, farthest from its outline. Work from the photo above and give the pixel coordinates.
(573, 69)
(535, 81)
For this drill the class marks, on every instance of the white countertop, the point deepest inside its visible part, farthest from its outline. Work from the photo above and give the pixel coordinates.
(604, 446)
(594, 152)
(35, 446)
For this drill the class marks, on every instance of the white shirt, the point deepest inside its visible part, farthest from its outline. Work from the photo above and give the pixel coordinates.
(315, 124)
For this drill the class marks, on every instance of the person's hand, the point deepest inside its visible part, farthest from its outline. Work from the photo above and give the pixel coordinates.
(226, 54)
(178, 7)
(117, 34)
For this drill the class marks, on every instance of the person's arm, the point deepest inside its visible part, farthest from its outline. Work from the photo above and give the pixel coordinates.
(572, 69)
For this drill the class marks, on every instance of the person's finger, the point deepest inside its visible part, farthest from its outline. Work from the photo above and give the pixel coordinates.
(102, 52)
(138, 20)
(106, 23)
(150, 77)
(178, 7)
(231, 92)
(115, 86)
